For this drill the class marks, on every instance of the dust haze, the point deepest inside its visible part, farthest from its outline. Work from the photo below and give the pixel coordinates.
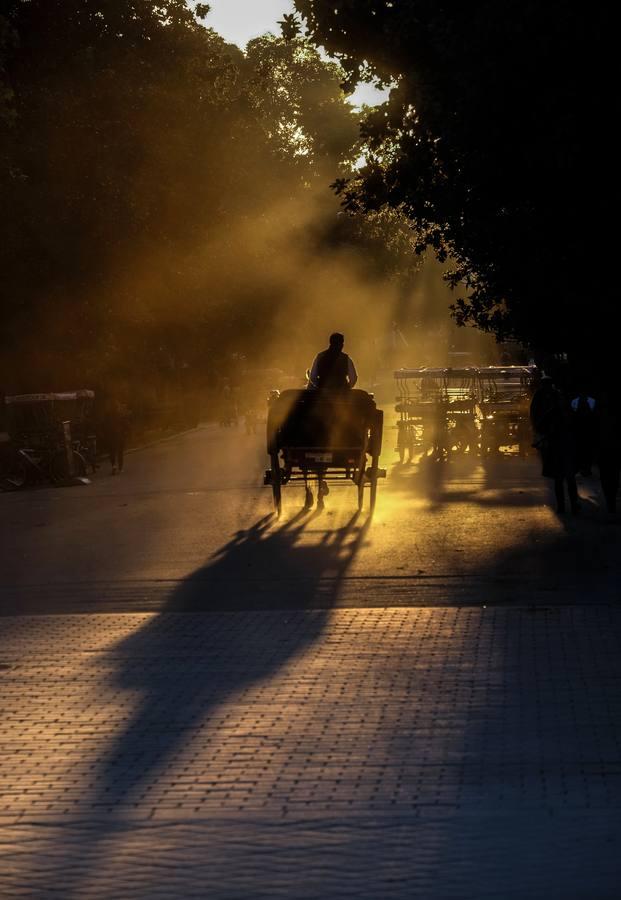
(181, 227)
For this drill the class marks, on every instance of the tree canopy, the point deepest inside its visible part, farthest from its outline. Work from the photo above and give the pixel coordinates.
(166, 195)
(160, 185)
(494, 142)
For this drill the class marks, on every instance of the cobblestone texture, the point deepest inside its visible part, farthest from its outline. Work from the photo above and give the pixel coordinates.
(379, 753)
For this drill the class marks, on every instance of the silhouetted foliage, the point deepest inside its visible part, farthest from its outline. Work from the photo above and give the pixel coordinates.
(167, 203)
(290, 27)
(493, 141)
(114, 160)
(154, 178)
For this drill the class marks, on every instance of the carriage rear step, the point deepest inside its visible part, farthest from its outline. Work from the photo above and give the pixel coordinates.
(330, 477)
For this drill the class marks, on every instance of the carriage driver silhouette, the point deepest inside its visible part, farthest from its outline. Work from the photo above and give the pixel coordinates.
(332, 369)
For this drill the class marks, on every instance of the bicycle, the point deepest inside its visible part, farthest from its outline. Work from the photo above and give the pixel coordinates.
(27, 466)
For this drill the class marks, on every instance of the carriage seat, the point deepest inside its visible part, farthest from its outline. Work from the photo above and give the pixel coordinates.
(316, 418)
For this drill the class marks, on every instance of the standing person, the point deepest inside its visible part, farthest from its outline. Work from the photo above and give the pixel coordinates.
(554, 439)
(332, 369)
(584, 424)
(117, 431)
(229, 397)
(251, 420)
(609, 450)
(405, 441)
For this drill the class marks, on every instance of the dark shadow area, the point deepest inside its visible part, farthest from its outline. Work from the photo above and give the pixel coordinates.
(579, 565)
(510, 729)
(462, 478)
(488, 481)
(264, 567)
(513, 556)
(180, 675)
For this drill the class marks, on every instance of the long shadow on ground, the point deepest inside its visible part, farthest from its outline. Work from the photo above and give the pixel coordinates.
(174, 678)
(478, 710)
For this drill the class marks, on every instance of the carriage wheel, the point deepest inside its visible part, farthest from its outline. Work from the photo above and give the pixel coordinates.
(375, 437)
(360, 475)
(79, 464)
(276, 485)
(361, 490)
(322, 490)
(375, 446)
(361, 479)
(373, 492)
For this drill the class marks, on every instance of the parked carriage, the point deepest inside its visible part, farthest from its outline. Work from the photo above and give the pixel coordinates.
(505, 393)
(472, 409)
(51, 438)
(437, 409)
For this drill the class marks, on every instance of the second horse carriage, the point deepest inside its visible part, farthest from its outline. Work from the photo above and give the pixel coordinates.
(475, 409)
(437, 410)
(321, 437)
(505, 393)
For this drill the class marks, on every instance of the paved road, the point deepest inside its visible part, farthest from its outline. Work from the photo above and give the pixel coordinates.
(199, 701)
(186, 527)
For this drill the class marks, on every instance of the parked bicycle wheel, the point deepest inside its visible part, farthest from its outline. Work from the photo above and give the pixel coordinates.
(14, 475)
(60, 469)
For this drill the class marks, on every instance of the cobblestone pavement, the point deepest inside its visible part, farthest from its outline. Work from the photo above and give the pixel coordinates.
(431, 753)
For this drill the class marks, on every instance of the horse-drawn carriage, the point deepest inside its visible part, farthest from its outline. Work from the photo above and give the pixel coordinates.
(437, 410)
(327, 437)
(504, 403)
(479, 408)
(51, 438)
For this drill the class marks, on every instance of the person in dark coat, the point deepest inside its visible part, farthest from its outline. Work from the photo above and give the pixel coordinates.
(584, 414)
(554, 438)
(609, 449)
(332, 369)
(116, 432)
